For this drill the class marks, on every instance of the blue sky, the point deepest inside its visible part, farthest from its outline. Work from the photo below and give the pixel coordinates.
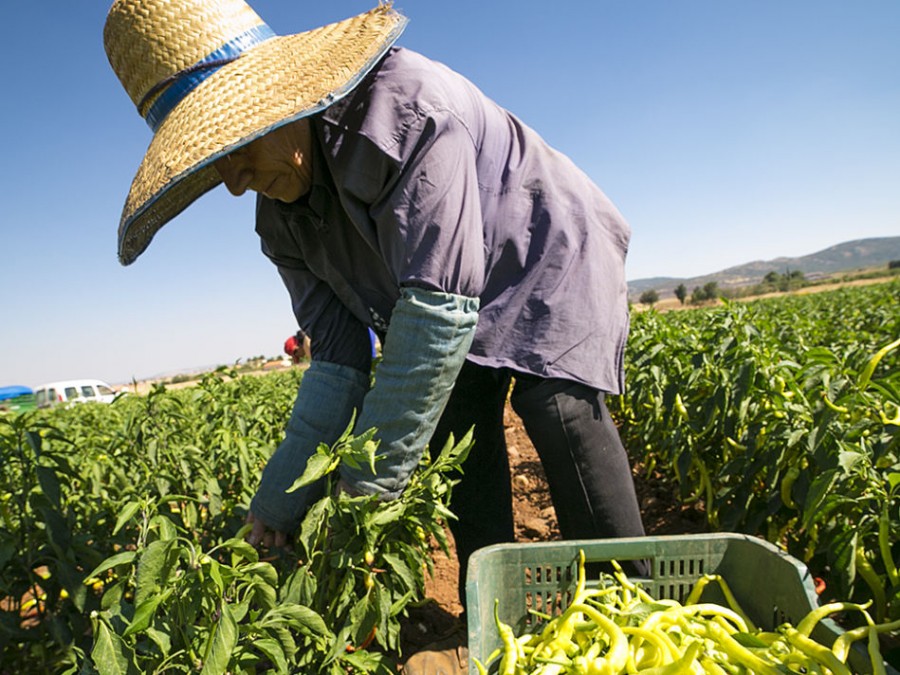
(725, 131)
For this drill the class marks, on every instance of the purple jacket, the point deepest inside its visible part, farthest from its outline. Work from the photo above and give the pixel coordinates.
(420, 180)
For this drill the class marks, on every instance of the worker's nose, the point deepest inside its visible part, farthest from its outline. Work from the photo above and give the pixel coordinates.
(234, 173)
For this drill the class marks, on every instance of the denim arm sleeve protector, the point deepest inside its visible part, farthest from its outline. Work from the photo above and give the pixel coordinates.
(426, 344)
(326, 399)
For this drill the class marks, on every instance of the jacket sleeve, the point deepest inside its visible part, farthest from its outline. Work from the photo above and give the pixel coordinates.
(427, 342)
(328, 395)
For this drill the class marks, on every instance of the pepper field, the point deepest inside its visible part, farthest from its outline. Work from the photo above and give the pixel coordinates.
(781, 417)
(121, 550)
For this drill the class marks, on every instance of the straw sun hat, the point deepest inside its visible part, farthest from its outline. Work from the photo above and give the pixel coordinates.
(209, 76)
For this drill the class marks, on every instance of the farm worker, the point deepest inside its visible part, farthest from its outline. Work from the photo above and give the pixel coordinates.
(394, 195)
(297, 346)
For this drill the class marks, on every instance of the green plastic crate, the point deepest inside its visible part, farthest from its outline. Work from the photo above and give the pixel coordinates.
(771, 586)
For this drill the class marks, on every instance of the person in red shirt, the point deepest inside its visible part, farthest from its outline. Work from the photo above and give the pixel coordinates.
(297, 346)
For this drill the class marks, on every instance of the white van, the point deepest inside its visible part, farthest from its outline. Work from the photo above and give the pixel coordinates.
(73, 391)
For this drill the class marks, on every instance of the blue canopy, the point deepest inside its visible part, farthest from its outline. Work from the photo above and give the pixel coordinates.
(14, 391)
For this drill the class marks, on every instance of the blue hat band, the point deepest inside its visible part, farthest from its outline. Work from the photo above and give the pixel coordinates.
(182, 83)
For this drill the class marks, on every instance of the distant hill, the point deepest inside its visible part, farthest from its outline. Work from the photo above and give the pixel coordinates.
(851, 255)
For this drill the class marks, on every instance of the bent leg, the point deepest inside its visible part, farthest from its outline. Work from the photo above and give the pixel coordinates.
(482, 501)
(587, 468)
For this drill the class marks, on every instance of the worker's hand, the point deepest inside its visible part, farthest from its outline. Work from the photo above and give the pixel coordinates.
(261, 534)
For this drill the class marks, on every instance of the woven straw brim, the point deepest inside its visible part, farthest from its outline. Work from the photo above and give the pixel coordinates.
(281, 80)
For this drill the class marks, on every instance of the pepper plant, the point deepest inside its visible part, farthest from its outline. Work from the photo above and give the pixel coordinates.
(121, 548)
(330, 604)
(780, 417)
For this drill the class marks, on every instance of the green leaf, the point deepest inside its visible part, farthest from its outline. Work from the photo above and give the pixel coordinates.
(111, 656)
(127, 512)
(364, 616)
(144, 613)
(401, 603)
(285, 638)
(222, 641)
(371, 447)
(848, 459)
(299, 588)
(364, 661)
(112, 595)
(386, 513)
(215, 496)
(153, 570)
(167, 529)
(795, 437)
(35, 441)
(844, 553)
(123, 558)
(215, 574)
(49, 482)
(299, 616)
(453, 455)
(444, 512)
(58, 529)
(401, 569)
(312, 524)
(316, 467)
(161, 639)
(819, 492)
(265, 596)
(273, 650)
(189, 515)
(893, 479)
(240, 550)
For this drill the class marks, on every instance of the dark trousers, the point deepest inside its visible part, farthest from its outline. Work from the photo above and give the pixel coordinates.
(587, 468)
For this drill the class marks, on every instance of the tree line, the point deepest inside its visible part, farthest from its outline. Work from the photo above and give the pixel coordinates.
(772, 282)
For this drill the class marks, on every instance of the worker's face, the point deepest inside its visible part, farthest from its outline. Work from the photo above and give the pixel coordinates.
(276, 165)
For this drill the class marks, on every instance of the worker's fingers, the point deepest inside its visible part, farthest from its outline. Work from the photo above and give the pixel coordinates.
(257, 532)
(260, 534)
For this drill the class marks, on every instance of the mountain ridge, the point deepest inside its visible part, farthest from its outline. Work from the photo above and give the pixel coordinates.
(849, 255)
